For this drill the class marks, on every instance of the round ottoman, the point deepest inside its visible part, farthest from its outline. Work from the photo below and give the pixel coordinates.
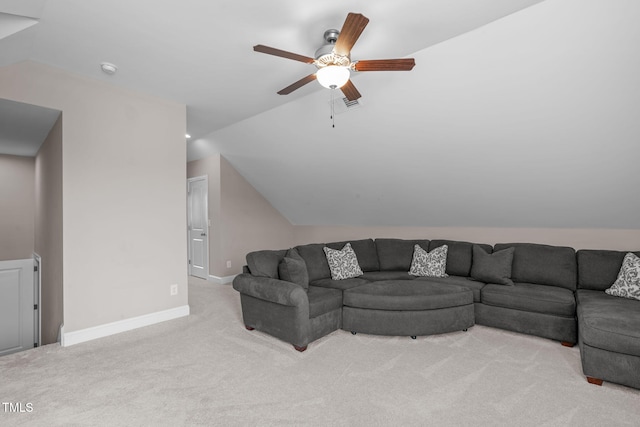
(410, 308)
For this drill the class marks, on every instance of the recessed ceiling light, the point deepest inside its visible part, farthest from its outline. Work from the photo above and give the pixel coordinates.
(108, 68)
(187, 135)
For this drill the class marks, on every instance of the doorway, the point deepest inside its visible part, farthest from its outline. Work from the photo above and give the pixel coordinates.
(198, 226)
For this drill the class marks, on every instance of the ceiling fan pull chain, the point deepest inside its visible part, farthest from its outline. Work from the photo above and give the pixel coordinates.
(333, 113)
(331, 108)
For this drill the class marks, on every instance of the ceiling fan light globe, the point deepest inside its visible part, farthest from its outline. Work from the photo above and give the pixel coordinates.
(333, 76)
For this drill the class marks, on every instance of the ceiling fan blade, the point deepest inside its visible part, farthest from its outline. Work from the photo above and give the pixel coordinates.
(350, 91)
(282, 53)
(351, 29)
(297, 85)
(405, 64)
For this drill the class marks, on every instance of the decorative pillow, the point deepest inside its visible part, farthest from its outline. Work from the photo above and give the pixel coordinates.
(627, 285)
(293, 269)
(492, 268)
(343, 263)
(429, 264)
(265, 263)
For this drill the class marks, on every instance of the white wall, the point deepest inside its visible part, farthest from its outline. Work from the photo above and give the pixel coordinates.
(124, 195)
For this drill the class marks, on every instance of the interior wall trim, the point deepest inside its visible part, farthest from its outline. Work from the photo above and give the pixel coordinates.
(222, 280)
(83, 335)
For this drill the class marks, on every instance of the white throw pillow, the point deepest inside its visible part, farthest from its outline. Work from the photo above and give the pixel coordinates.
(343, 263)
(429, 264)
(627, 285)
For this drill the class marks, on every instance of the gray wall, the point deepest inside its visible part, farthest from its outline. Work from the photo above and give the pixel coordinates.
(242, 220)
(123, 194)
(48, 231)
(17, 199)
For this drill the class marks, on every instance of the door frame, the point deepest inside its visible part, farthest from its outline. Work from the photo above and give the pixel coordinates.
(204, 178)
(37, 292)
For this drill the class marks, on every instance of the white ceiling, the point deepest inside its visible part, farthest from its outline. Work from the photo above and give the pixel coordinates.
(11, 24)
(199, 52)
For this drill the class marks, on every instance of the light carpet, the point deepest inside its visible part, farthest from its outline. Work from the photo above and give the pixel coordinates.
(206, 369)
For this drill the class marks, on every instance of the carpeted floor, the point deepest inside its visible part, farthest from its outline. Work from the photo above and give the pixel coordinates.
(208, 370)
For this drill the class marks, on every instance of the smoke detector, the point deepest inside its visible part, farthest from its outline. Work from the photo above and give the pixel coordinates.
(108, 68)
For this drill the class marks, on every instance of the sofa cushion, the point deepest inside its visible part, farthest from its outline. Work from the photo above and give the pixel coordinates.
(316, 261)
(397, 254)
(323, 300)
(339, 284)
(365, 251)
(474, 285)
(598, 269)
(265, 263)
(405, 295)
(608, 322)
(429, 264)
(376, 276)
(492, 268)
(542, 264)
(293, 269)
(531, 297)
(627, 285)
(459, 255)
(343, 263)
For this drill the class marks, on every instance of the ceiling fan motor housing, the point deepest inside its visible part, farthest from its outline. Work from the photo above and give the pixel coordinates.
(326, 56)
(331, 35)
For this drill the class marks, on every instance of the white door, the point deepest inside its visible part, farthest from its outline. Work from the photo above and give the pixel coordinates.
(198, 222)
(17, 301)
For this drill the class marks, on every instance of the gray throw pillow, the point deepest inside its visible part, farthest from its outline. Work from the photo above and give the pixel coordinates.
(265, 263)
(492, 268)
(293, 269)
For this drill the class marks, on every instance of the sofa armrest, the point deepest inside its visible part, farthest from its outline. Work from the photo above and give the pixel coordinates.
(273, 290)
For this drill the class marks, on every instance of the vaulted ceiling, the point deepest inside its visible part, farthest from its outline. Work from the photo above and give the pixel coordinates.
(515, 114)
(530, 121)
(199, 52)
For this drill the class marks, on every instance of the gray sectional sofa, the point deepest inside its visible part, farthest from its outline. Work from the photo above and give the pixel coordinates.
(547, 291)
(609, 326)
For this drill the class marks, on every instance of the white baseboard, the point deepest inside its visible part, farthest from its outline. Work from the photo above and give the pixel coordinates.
(222, 280)
(83, 335)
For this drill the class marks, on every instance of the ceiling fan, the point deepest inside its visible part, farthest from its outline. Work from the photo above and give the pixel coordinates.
(333, 59)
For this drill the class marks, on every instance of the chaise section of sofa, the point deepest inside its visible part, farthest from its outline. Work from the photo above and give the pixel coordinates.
(541, 302)
(609, 326)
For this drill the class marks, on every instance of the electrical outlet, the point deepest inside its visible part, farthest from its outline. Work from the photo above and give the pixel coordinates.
(174, 289)
(228, 264)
